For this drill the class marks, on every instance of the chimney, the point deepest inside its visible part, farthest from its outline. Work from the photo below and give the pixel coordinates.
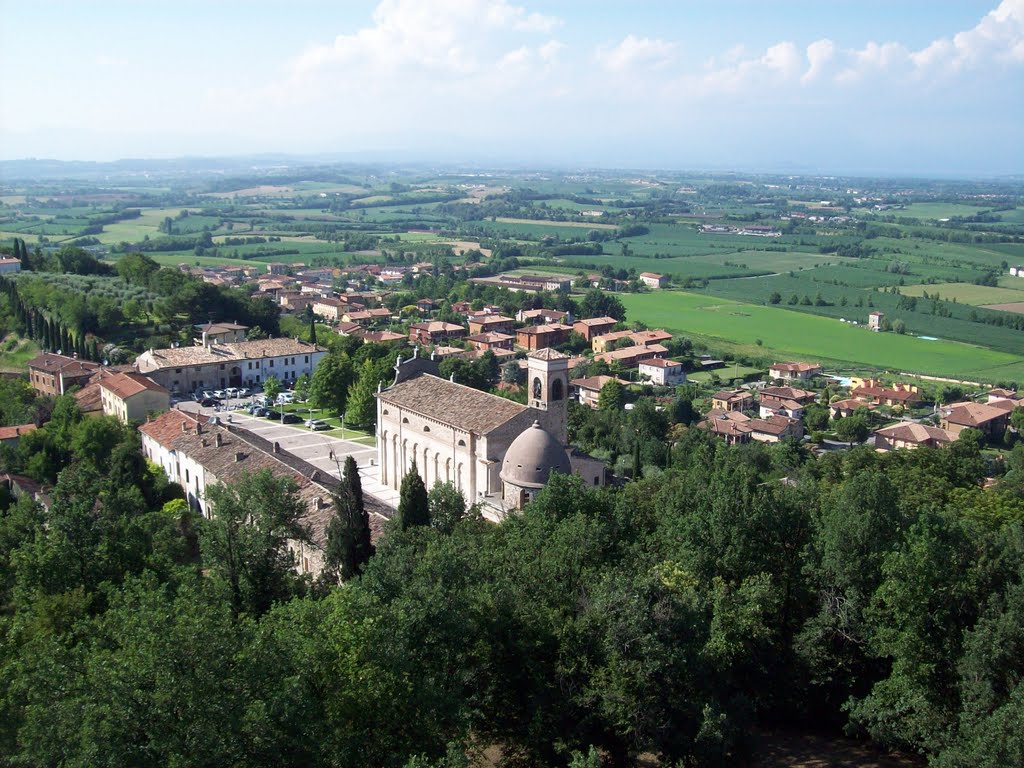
(218, 440)
(199, 428)
(206, 340)
(204, 442)
(184, 426)
(315, 477)
(239, 456)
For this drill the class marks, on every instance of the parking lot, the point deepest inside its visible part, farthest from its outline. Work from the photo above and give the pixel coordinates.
(323, 451)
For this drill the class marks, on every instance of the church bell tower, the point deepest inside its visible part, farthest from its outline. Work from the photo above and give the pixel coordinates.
(548, 389)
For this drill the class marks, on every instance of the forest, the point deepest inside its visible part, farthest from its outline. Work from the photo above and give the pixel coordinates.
(730, 589)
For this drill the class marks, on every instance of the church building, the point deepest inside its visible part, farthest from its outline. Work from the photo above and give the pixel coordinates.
(495, 451)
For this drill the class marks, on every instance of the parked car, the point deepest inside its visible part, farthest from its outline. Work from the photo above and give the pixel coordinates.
(209, 402)
(242, 392)
(196, 396)
(231, 392)
(317, 425)
(290, 418)
(220, 394)
(207, 394)
(285, 397)
(261, 412)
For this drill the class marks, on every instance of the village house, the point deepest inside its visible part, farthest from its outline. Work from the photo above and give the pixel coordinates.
(383, 337)
(731, 426)
(909, 434)
(587, 391)
(329, 308)
(787, 401)
(794, 371)
(51, 374)
(543, 316)
(198, 455)
(277, 268)
(489, 323)
(899, 394)
(875, 320)
(536, 337)
(216, 366)
(491, 341)
(653, 279)
(775, 428)
(10, 265)
(220, 333)
(435, 332)
(732, 400)
(990, 419)
(367, 316)
(845, 408)
(594, 326)
(664, 373)
(995, 395)
(11, 436)
(630, 357)
(132, 397)
(604, 342)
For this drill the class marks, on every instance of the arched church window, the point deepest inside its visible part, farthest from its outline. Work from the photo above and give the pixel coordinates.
(556, 390)
(537, 387)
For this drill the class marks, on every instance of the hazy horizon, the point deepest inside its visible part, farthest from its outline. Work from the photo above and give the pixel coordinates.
(920, 89)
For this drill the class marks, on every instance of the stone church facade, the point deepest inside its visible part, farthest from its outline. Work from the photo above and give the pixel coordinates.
(461, 435)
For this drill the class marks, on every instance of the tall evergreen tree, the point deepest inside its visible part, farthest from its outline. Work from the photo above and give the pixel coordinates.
(348, 534)
(312, 328)
(413, 503)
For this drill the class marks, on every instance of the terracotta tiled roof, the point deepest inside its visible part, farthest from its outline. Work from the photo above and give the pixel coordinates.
(437, 326)
(451, 403)
(125, 385)
(598, 321)
(10, 433)
(548, 354)
(594, 383)
(972, 414)
(912, 432)
(159, 359)
(69, 366)
(795, 367)
(658, 362)
(167, 427)
(787, 393)
(490, 337)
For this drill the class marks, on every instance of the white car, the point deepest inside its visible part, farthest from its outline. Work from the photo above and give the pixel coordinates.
(231, 392)
(243, 392)
(285, 397)
(219, 394)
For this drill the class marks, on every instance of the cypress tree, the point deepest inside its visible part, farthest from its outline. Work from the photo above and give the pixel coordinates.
(312, 328)
(413, 504)
(348, 534)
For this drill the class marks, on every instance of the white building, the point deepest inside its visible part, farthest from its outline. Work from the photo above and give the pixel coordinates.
(457, 434)
(131, 396)
(664, 373)
(241, 364)
(10, 265)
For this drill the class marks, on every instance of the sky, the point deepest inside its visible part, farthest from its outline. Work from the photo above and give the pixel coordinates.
(929, 87)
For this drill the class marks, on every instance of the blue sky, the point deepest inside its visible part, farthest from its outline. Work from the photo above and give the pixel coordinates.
(870, 87)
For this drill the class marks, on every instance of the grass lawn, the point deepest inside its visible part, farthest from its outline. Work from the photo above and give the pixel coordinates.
(15, 352)
(305, 412)
(725, 374)
(967, 293)
(795, 335)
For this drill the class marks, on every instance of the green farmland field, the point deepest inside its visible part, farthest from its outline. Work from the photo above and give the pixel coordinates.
(967, 293)
(789, 334)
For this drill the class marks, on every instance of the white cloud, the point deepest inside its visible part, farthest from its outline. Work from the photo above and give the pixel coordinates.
(444, 36)
(820, 54)
(633, 52)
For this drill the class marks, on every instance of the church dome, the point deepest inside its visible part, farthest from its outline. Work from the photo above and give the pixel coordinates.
(532, 457)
